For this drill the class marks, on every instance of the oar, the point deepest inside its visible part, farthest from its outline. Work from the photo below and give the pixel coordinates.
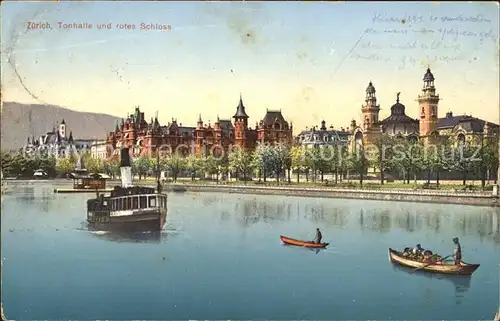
(423, 267)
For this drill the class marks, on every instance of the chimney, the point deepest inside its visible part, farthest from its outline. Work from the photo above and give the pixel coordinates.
(126, 171)
(449, 114)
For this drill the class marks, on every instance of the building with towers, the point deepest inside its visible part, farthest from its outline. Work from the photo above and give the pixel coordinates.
(427, 127)
(56, 143)
(147, 138)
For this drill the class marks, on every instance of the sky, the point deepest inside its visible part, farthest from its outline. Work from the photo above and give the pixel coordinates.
(311, 60)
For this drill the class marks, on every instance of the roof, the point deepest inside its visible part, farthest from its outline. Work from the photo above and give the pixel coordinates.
(186, 131)
(322, 133)
(273, 116)
(428, 75)
(398, 122)
(89, 176)
(467, 122)
(240, 110)
(370, 89)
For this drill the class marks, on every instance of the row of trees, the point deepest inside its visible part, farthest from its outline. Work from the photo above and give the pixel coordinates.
(386, 156)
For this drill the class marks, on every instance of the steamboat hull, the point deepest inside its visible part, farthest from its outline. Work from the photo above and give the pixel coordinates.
(131, 223)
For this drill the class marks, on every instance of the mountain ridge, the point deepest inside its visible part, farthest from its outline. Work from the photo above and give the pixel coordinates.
(20, 121)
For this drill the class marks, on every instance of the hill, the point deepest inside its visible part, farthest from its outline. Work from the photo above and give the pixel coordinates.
(16, 126)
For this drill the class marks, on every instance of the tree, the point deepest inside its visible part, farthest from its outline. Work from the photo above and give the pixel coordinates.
(407, 157)
(288, 162)
(240, 161)
(464, 159)
(336, 159)
(213, 166)
(65, 166)
(175, 163)
(262, 160)
(298, 159)
(325, 154)
(488, 154)
(193, 164)
(277, 155)
(382, 155)
(437, 158)
(141, 166)
(358, 163)
(111, 167)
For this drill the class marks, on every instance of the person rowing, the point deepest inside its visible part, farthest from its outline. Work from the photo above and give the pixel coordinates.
(318, 237)
(457, 252)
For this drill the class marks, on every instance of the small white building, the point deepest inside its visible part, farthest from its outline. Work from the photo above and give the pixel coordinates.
(98, 149)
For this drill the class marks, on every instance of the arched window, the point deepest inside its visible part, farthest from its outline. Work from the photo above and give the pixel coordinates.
(461, 139)
(358, 140)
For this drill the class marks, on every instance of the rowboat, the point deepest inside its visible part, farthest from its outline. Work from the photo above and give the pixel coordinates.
(290, 241)
(439, 267)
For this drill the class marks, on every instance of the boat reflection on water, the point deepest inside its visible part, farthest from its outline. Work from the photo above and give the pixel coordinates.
(131, 237)
(461, 282)
(316, 250)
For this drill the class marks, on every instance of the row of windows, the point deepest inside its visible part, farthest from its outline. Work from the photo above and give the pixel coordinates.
(138, 202)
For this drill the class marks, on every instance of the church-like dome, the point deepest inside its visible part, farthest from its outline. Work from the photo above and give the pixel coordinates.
(398, 121)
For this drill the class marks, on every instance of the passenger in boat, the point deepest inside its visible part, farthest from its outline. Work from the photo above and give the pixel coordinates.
(407, 251)
(319, 236)
(427, 256)
(457, 253)
(418, 250)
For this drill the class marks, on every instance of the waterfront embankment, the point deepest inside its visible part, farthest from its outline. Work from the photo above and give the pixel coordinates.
(423, 196)
(442, 196)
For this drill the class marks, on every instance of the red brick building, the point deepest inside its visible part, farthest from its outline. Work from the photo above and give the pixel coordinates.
(145, 138)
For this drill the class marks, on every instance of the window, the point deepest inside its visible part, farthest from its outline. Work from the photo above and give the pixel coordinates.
(143, 201)
(135, 203)
(129, 203)
(152, 201)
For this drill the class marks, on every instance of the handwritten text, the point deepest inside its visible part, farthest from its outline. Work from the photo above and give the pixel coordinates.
(414, 19)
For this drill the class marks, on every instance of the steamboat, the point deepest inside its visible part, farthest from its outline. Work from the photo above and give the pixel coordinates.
(128, 208)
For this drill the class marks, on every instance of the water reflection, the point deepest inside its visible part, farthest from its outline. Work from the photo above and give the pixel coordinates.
(483, 222)
(131, 237)
(252, 212)
(302, 248)
(461, 283)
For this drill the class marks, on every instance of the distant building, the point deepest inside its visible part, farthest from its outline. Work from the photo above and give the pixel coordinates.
(99, 149)
(145, 138)
(428, 127)
(56, 143)
(323, 137)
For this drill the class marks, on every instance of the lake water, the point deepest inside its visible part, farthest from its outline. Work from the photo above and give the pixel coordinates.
(220, 257)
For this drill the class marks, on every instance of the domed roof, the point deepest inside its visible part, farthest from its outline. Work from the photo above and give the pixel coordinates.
(398, 108)
(370, 89)
(428, 75)
(398, 121)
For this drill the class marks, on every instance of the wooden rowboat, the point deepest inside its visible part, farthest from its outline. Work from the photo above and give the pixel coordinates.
(442, 268)
(310, 244)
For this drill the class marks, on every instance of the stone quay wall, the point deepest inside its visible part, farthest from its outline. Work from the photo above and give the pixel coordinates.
(442, 197)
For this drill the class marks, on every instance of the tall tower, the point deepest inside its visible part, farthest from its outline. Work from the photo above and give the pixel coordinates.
(199, 136)
(428, 102)
(240, 124)
(370, 110)
(62, 129)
